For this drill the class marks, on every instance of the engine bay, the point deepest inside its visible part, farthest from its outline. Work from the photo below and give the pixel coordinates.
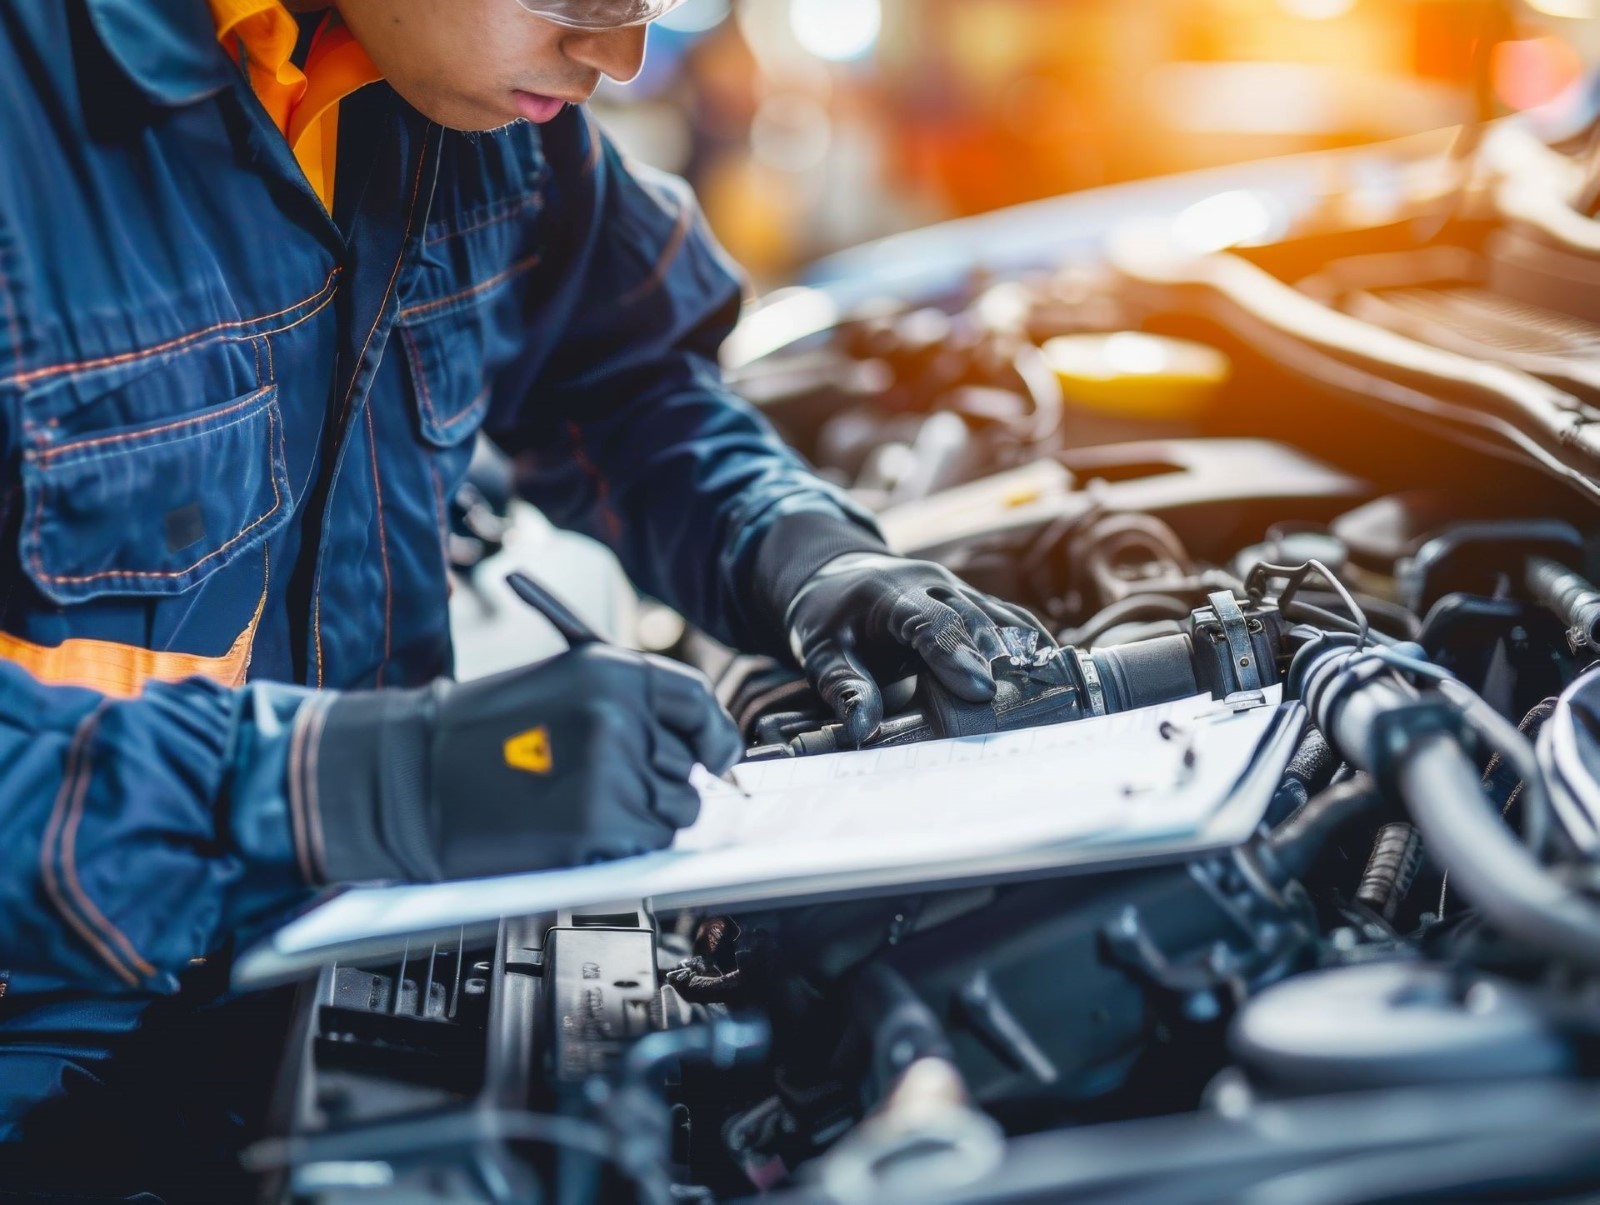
(1349, 466)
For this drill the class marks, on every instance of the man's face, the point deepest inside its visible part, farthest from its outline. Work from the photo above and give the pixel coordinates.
(481, 64)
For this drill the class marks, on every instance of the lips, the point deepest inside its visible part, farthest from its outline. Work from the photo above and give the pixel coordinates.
(537, 109)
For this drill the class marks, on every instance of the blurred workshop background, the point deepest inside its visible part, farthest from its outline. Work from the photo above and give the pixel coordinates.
(811, 125)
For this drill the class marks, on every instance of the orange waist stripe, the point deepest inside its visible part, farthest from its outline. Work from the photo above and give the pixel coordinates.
(122, 670)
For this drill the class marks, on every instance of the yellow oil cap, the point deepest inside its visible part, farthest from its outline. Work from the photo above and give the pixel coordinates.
(1136, 375)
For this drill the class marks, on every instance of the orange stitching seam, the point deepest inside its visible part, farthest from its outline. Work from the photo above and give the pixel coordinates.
(383, 551)
(504, 212)
(40, 455)
(73, 780)
(658, 274)
(344, 406)
(481, 396)
(70, 855)
(50, 370)
(522, 265)
(277, 501)
(423, 394)
(602, 487)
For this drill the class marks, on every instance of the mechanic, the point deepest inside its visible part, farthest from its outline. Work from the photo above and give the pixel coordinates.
(266, 268)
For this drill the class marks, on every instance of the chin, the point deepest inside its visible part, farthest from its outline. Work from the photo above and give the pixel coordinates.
(471, 121)
(462, 115)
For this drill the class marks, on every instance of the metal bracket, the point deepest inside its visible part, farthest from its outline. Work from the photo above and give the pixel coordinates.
(1236, 630)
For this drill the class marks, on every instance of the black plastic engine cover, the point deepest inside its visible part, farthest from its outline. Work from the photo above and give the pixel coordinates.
(601, 981)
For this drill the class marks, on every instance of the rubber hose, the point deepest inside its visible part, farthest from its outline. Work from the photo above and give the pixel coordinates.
(1299, 839)
(1309, 771)
(1515, 894)
(1391, 869)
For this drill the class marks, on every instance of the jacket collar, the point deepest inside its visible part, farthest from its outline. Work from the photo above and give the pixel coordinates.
(168, 48)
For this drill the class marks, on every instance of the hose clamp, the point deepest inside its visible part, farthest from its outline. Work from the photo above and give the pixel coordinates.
(1094, 691)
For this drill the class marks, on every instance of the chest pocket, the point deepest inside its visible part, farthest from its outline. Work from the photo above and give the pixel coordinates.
(154, 509)
(459, 307)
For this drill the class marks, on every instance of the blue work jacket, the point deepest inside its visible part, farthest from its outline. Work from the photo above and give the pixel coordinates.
(230, 422)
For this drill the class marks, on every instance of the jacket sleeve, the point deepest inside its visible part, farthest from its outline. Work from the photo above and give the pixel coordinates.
(139, 835)
(617, 414)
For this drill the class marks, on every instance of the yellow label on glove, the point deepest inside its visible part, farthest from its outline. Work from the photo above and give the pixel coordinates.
(530, 751)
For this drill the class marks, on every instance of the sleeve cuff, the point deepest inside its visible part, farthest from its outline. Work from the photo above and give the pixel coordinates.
(791, 552)
(362, 797)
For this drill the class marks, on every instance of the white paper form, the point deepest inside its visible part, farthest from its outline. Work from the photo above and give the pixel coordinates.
(933, 808)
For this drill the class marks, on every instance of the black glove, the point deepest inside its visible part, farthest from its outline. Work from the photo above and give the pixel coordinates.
(578, 759)
(868, 618)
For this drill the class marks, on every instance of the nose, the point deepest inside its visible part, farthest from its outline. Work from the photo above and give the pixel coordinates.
(618, 53)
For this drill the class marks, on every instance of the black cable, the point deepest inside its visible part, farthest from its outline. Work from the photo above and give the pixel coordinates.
(1307, 613)
(1392, 614)
(1133, 609)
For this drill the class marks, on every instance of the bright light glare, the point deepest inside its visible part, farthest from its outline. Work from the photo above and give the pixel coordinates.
(1317, 10)
(1575, 10)
(1136, 354)
(784, 317)
(1005, 307)
(1229, 219)
(696, 16)
(836, 30)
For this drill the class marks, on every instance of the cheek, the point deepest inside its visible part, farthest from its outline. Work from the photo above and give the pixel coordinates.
(506, 37)
(526, 49)
(458, 62)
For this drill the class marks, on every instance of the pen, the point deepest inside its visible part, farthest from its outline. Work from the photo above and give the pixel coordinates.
(572, 627)
(562, 617)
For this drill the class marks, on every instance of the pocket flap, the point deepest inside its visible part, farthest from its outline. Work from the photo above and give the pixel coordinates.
(447, 372)
(154, 509)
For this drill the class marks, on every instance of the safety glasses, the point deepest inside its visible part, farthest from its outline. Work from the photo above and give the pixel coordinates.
(599, 14)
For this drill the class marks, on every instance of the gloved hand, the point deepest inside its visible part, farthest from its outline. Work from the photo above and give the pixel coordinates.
(580, 758)
(867, 618)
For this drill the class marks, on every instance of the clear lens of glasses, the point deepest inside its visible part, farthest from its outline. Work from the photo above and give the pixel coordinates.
(599, 14)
